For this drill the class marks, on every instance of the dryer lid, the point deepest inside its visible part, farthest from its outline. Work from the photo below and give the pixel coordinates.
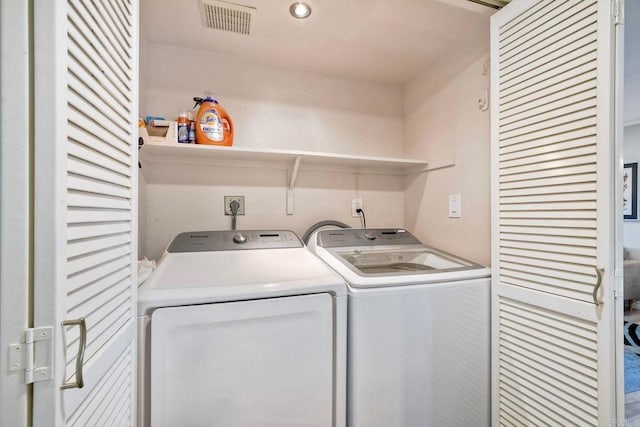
(185, 278)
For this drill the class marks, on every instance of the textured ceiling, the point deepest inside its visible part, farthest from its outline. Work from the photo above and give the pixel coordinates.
(381, 40)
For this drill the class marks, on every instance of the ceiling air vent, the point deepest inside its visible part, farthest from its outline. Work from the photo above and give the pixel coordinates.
(224, 16)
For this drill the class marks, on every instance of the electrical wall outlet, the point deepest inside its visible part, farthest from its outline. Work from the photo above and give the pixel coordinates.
(227, 204)
(355, 205)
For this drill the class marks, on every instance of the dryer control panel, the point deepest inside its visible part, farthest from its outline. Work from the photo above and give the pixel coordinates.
(229, 240)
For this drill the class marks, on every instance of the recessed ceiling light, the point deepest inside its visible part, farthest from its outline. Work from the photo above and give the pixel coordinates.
(300, 10)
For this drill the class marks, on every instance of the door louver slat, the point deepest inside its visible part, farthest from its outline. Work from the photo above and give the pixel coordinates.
(90, 245)
(81, 295)
(88, 185)
(535, 184)
(554, 190)
(105, 325)
(546, 106)
(95, 138)
(101, 32)
(546, 179)
(89, 41)
(550, 239)
(566, 16)
(548, 247)
(544, 117)
(578, 407)
(563, 129)
(561, 150)
(545, 87)
(555, 160)
(534, 60)
(79, 166)
(101, 163)
(531, 16)
(79, 151)
(580, 277)
(542, 72)
(104, 106)
(86, 69)
(80, 199)
(548, 125)
(537, 352)
(522, 149)
(97, 110)
(535, 66)
(543, 284)
(106, 391)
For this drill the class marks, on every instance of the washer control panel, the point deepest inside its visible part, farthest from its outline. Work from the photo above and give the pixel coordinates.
(347, 237)
(230, 240)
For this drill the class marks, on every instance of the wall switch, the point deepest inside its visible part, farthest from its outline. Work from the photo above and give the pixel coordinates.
(455, 206)
(355, 205)
(227, 204)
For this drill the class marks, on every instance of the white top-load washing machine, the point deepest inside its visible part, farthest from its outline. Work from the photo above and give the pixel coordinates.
(242, 328)
(418, 330)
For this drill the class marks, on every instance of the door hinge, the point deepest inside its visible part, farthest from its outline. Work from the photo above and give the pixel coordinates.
(617, 11)
(34, 356)
(618, 284)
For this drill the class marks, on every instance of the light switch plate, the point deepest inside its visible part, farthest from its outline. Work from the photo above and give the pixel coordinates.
(455, 206)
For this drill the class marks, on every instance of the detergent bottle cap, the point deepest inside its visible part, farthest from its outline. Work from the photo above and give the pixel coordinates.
(199, 101)
(208, 97)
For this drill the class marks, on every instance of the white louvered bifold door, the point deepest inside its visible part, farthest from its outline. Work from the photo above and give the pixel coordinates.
(552, 213)
(85, 217)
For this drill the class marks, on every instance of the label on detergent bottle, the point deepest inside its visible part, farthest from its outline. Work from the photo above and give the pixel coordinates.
(211, 125)
(183, 128)
(192, 132)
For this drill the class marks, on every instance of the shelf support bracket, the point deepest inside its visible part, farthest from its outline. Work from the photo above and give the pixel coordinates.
(291, 185)
(294, 173)
(442, 164)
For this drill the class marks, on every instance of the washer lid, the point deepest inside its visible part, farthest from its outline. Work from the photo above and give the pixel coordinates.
(389, 257)
(185, 278)
(399, 260)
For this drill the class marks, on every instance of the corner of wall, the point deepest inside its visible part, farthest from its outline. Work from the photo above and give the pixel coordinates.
(425, 84)
(443, 120)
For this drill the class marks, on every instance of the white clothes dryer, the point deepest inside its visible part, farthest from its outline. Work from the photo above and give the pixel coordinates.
(418, 351)
(241, 328)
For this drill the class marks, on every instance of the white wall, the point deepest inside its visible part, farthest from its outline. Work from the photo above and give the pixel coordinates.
(142, 184)
(272, 107)
(190, 197)
(442, 120)
(142, 214)
(631, 154)
(278, 107)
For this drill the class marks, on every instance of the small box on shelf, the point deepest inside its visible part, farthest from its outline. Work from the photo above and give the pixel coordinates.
(162, 131)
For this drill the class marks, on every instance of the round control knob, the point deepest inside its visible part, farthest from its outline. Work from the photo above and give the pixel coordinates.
(370, 236)
(239, 238)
